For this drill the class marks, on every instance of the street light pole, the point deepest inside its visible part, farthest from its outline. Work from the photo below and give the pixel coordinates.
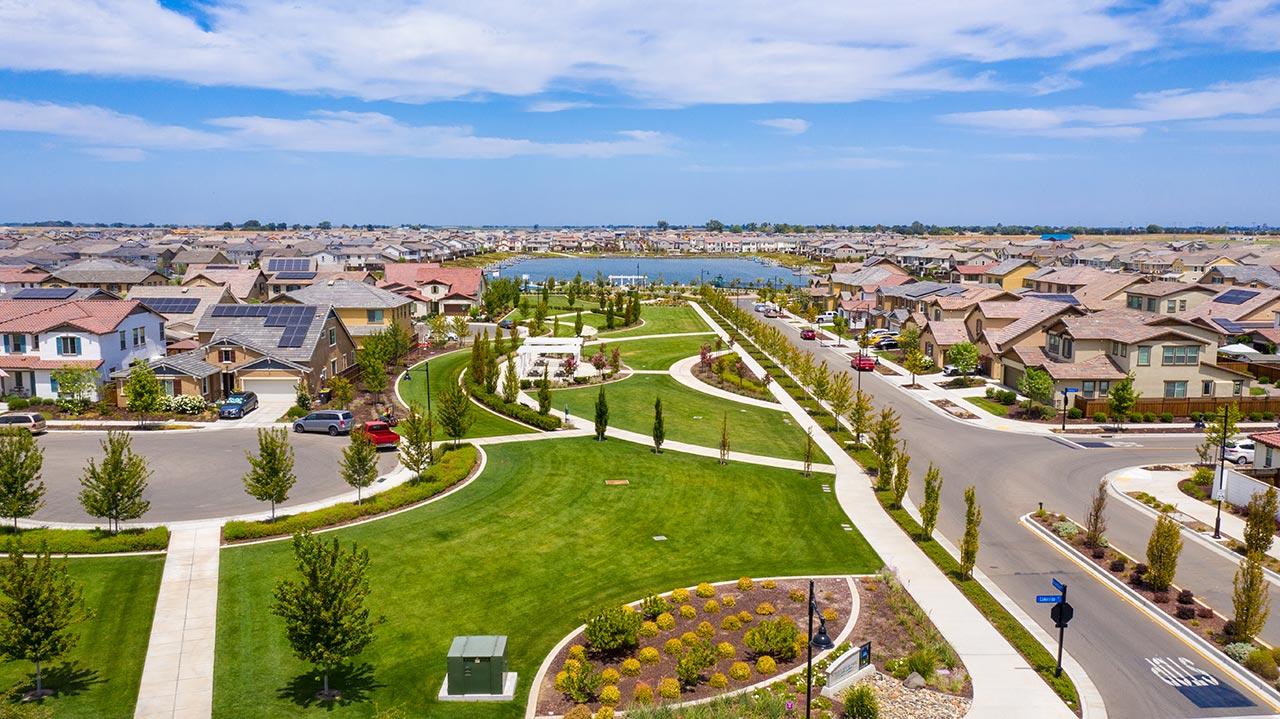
(1222, 473)
(1064, 409)
(820, 640)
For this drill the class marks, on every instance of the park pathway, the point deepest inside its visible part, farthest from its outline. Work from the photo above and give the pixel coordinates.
(177, 679)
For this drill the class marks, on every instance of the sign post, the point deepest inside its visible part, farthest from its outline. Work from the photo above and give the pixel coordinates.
(1066, 391)
(1061, 614)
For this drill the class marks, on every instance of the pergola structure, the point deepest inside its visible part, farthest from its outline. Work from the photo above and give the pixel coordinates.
(536, 352)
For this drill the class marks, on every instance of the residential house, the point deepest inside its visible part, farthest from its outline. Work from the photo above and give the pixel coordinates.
(1009, 274)
(997, 326)
(969, 274)
(447, 290)
(245, 285)
(1166, 297)
(13, 279)
(182, 306)
(1235, 312)
(42, 336)
(1241, 276)
(364, 309)
(186, 258)
(1093, 289)
(104, 274)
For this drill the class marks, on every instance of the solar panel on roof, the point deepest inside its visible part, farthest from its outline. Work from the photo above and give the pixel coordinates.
(1228, 325)
(295, 320)
(288, 265)
(1235, 297)
(291, 275)
(1049, 297)
(171, 305)
(45, 293)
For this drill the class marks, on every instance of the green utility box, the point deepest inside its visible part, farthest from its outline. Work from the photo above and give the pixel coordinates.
(477, 665)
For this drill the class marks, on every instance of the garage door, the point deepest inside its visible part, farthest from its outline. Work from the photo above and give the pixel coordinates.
(269, 388)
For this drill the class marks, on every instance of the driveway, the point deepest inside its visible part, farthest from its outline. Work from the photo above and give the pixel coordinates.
(195, 475)
(269, 410)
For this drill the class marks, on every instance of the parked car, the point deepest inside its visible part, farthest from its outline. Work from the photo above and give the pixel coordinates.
(879, 332)
(1241, 453)
(808, 334)
(505, 324)
(333, 421)
(886, 343)
(237, 405)
(863, 363)
(951, 371)
(381, 434)
(760, 307)
(772, 313)
(33, 422)
(826, 317)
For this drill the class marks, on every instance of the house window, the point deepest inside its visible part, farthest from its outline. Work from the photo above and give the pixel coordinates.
(333, 336)
(204, 385)
(1182, 305)
(1067, 343)
(1171, 306)
(123, 344)
(333, 366)
(226, 356)
(1055, 344)
(169, 387)
(1175, 390)
(1135, 302)
(69, 346)
(928, 349)
(1181, 355)
(1144, 356)
(1268, 460)
(1087, 388)
(1153, 305)
(373, 316)
(937, 313)
(1206, 388)
(1237, 387)
(53, 385)
(1119, 349)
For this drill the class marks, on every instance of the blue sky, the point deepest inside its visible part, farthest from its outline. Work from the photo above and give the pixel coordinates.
(488, 112)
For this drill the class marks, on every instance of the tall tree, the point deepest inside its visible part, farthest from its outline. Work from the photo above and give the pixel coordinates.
(1260, 522)
(839, 396)
(341, 392)
(972, 522)
(113, 490)
(143, 393)
(510, 381)
(270, 475)
(901, 475)
(1163, 548)
(1121, 399)
(323, 606)
(964, 357)
(544, 393)
(39, 605)
(76, 387)
(884, 443)
(577, 324)
(460, 327)
(932, 501)
(21, 489)
(602, 415)
(909, 338)
(860, 415)
(1095, 522)
(1037, 385)
(1250, 598)
(659, 428)
(359, 464)
(453, 409)
(416, 448)
(372, 372)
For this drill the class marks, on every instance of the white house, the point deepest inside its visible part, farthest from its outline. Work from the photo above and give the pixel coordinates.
(40, 336)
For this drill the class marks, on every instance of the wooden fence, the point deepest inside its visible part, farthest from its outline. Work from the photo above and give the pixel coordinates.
(1183, 407)
(1257, 369)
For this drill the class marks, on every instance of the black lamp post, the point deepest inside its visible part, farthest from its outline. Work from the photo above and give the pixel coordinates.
(820, 640)
(1222, 473)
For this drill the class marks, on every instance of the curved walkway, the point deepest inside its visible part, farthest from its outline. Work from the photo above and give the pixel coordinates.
(682, 372)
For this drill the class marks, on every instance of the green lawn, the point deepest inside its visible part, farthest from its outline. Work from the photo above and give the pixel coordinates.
(690, 416)
(989, 405)
(659, 353)
(533, 543)
(445, 369)
(100, 678)
(662, 319)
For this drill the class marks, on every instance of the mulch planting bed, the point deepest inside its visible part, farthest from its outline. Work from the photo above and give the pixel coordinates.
(788, 598)
(883, 619)
(709, 376)
(954, 409)
(885, 369)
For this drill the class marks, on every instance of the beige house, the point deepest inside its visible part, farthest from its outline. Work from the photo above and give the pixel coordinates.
(1166, 298)
(999, 326)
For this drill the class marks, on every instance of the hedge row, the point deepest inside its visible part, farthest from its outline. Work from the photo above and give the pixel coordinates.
(453, 466)
(88, 541)
(514, 410)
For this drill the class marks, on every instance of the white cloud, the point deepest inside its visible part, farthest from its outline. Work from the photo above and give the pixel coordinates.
(111, 135)
(787, 125)
(552, 106)
(663, 52)
(1255, 97)
(1050, 84)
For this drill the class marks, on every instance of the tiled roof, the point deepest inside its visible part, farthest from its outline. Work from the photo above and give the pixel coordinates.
(1099, 367)
(204, 296)
(1164, 288)
(1271, 439)
(1032, 316)
(35, 362)
(345, 293)
(22, 274)
(102, 270)
(949, 332)
(462, 280)
(1248, 273)
(95, 316)
(254, 331)
(240, 282)
(1007, 266)
(1224, 310)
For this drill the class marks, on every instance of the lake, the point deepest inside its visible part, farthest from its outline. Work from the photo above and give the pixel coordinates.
(685, 270)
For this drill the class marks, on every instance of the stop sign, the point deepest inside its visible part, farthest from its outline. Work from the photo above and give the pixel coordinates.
(1061, 614)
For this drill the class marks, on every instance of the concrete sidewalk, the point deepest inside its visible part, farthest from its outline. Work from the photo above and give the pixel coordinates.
(177, 678)
(1004, 685)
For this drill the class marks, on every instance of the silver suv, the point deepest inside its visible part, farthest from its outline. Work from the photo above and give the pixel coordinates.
(33, 422)
(333, 421)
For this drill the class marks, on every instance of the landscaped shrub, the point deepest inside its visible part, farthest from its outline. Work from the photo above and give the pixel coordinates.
(705, 630)
(578, 653)
(687, 611)
(1255, 416)
(768, 584)
(649, 655)
(1075, 413)
(1118, 565)
(610, 695)
(830, 614)
(647, 629)
(680, 595)
(1166, 417)
(774, 637)
(718, 681)
(745, 584)
(612, 629)
(514, 410)
(642, 693)
(745, 617)
(764, 609)
(923, 661)
(188, 404)
(631, 666)
(666, 622)
(728, 601)
(1238, 651)
(860, 703)
(1160, 597)
(1066, 530)
(1195, 416)
(730, 623)
(711, 606)
(581, 681)
(991, 392)
(1135, 417)
(1268, 416)
(609, 676)
(726, 650)
(705, 590)
(740, 671)
(1186, 596)
(578, 712)
(1261, 662)
(673, 647)
(1100, 417)
(1140, 568)
(89, 541)
(605, 712)
(1186, 611)
(766, 665)
(668, 688)
(1149, 417)
(1203, 612)
(796, 595)
(562, 678)
(689, 639)
(653, 605)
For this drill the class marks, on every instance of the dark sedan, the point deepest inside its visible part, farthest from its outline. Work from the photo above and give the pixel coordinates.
(237, 405)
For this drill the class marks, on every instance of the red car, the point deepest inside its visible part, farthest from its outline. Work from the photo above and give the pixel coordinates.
(381, 435)
(863, 363)
(808, 334)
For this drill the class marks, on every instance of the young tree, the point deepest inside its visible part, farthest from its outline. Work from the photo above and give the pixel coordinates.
(972, 521)
(510, 381)
(460, 328)
(884, 443)
(555, 325)
(270, 475)
(341, 391)
(359, 464)
(1220, 427)
(964, 356)
(1121, 399)
(438, 329)
(901, 475)
(416, 448)
(1095, 522)
(577, 324)
(1037, 385)
(373, 372)
(323, 607)
(602, 415)
(909, 338)
(1260, 522)
(724, 439)
(860, 415)
(839, 396)
(915, 363)
(453, 409)
(113, 490)
(490, 369)
(659, 428)
(1250, 598)
(143, 392)
(1163, 548)
(21, 490)
(544, 394)
(76, 387)
(932, 501)
(478, 364)
(808, 452)
(39, 605)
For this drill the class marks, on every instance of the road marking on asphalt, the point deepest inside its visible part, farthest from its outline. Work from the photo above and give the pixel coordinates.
(1197, 685)
(1212, 660)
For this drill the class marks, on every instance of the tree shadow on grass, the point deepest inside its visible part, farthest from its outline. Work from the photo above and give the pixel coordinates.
(355, 683)
(66, 679)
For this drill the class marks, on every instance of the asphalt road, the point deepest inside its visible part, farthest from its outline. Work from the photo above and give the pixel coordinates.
(1012, 473)
(194, 475)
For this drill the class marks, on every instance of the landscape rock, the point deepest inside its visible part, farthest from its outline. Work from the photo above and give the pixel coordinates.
(913, 681)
